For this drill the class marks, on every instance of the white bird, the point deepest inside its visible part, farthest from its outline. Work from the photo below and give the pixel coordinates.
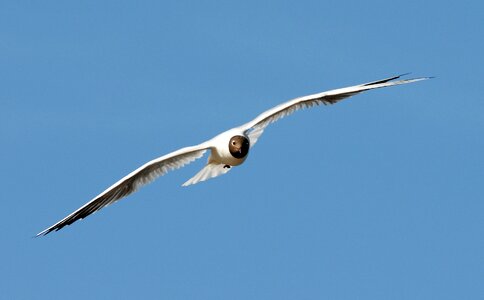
(227, 149)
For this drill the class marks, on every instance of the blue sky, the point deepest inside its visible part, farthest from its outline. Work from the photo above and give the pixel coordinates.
(377, 197)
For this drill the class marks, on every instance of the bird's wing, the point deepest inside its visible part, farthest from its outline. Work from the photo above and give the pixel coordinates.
(132, 182)
(255, 128)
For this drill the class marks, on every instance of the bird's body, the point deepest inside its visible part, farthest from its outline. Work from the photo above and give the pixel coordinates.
(228, 149)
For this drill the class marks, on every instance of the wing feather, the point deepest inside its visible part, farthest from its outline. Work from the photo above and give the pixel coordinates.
(132, 182)
(255, 128)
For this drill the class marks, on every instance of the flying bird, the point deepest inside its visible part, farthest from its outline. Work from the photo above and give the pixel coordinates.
(227, 150)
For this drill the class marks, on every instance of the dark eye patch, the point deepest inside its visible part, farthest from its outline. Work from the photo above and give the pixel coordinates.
(239, 146)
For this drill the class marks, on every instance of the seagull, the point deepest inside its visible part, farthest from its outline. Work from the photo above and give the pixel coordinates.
(227, 150)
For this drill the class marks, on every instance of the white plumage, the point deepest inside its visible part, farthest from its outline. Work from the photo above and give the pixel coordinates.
(227, 149)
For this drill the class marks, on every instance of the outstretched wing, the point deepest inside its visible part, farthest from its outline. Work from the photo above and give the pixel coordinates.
(132, 182)
(255, 128)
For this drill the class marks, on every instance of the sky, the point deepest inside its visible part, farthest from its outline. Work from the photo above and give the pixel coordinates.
(377, 197)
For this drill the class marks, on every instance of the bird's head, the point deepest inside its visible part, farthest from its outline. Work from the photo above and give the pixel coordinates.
(239, 146)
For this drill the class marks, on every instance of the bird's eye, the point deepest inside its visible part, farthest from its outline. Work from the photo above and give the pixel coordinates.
(233, 143)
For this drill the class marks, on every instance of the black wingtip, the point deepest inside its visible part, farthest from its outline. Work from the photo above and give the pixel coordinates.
(46, 232)
(397, 77)
(386, 79)
(42, 233)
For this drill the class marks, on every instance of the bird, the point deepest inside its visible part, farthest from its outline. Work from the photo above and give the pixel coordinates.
(227, 150)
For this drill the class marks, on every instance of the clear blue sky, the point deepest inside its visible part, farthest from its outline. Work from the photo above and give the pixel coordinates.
(377, 197)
